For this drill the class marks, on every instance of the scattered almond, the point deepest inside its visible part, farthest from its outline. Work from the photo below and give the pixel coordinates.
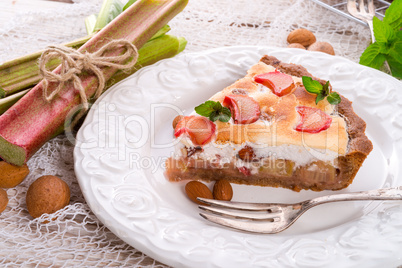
(301, 36)
(196, 189)
(12, 175)
(296, 45)
(246, 153)
(223, 190)
(47, 194)
(322, 47)
(176, 120)
(3, 200)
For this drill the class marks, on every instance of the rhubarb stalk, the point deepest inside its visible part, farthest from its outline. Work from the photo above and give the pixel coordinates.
(23, 73)
(7, 102)
(32, 121)
(110, 9)
(154, 50)
(163, 47)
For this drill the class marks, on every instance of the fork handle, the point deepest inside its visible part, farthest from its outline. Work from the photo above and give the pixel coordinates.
(370, 24)
(379, 194)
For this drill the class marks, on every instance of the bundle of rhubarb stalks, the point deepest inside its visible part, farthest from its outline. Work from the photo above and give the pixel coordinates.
(27, 120)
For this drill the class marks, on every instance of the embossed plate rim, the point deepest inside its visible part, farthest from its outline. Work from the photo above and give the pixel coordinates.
(247, 244)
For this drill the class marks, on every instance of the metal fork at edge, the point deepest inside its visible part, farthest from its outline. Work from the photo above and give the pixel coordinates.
(362, 14)
(270, 218)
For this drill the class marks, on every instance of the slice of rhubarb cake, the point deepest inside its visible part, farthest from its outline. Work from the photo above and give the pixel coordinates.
(278, 126)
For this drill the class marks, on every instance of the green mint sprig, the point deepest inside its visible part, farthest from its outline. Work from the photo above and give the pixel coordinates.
(214, 111)
(388, 44)
(313, 86)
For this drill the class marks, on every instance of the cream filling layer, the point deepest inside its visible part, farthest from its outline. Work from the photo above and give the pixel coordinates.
(226, 153)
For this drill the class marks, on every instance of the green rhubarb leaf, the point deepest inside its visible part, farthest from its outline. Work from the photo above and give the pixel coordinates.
(129, 3)
(214, 111)
(334, 98)
(383, 33)
(372, 57)
(312, 86)
(393, 15)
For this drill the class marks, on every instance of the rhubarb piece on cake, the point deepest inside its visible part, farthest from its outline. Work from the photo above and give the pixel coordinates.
(280, 134)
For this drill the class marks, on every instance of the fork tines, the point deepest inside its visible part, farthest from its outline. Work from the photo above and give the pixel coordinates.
(239, 205)
(252, 217)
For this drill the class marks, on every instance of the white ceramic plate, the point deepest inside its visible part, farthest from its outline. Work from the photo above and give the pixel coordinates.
(121, 148)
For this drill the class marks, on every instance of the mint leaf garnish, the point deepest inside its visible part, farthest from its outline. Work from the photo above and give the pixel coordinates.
(205, 109)
(388, 44)
(319, 98)
(325, 88)
(372, 57)
(214, 111)
(393, 16)
(383, 33)
(334, 98)
(313, 86)
(395, 66)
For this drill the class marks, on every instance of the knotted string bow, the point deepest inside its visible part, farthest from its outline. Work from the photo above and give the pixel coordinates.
(73, 63)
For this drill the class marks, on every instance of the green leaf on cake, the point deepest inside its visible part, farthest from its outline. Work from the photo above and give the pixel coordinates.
(312, 86)
(214, 111)
(315, 87)
(334, 98)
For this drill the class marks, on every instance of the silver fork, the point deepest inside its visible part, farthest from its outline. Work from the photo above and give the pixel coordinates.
(362, 14)
(270, 218)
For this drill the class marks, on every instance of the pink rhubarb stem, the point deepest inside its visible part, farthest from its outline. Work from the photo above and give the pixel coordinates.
(32, 121)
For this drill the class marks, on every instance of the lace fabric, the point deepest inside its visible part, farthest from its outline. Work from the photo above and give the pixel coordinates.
(76, 237)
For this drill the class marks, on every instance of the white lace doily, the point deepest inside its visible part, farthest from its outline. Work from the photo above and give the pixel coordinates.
(77, 237)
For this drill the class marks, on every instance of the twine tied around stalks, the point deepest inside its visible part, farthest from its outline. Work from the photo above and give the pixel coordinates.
(73, 63)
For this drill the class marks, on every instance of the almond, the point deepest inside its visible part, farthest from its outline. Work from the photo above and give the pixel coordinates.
(322, 47)
(12, 175)
(176, 120)
(47, 194)
(296, 45)
(246, 153)
(3, 200)
(223, 190)
(301, 36)
(196, 189)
